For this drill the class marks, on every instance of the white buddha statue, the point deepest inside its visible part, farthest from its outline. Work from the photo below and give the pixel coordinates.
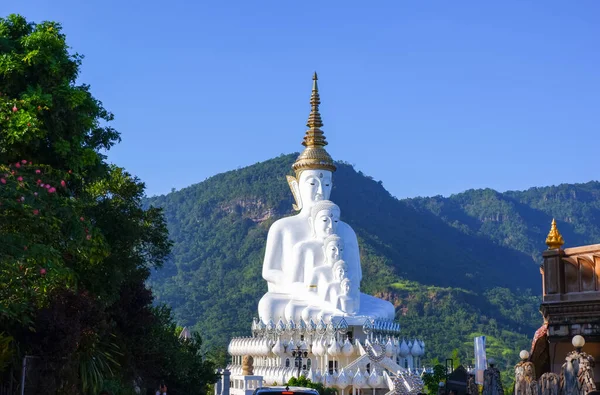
(339, 270)
(346, 302)
(323, 275)
(329, 288)
(309, 254)
(312, 184)
(323, 221)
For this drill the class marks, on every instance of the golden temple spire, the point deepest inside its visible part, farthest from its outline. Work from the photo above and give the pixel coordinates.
(554, 239)
(314, 119)
(314, 155)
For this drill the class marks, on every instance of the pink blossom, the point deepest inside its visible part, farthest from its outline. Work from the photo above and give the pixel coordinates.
(24, 161)
(19, 178)
(70, 171)
(35, 194)
(52, 190)
(63, 183)
(22, 198)
(81, 219)
(38, 171)
(89, 237)
(15, 109)
(43, 272)
(2, 180)
(17, 164)
(36, 211)
(42, 185)
(47, 186)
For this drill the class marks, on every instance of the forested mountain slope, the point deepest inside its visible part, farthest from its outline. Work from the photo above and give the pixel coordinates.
(454, 267)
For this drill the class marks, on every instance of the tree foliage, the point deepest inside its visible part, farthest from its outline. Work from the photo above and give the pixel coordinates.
(76, 245)
(432, 380)
(304, 382)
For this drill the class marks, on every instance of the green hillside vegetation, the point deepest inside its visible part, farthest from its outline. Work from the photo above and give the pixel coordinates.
(518, 220)
(454, 267)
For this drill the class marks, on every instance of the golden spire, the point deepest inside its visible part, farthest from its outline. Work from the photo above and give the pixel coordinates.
(554, 239)
(314, 155)
(314, 136)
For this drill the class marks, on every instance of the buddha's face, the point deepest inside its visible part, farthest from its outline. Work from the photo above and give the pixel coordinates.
(325, 223)
(340, 272)
(314, 185)
(333, 252)
(345, 287)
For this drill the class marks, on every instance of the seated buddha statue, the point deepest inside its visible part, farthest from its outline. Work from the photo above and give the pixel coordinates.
(346, 301)
(311, 184)
(323, 221)
(321, 275)
(309, 255)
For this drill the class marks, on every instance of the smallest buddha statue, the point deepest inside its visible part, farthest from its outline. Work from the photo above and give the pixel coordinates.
(347, 301)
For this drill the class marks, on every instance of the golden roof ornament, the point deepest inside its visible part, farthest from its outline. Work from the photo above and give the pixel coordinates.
(314, 155)
(554, 239)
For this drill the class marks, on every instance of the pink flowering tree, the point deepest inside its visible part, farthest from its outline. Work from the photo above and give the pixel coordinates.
(74, 237)
(45, 238)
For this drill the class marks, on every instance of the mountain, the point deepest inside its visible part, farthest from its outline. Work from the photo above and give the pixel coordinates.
(454, 267)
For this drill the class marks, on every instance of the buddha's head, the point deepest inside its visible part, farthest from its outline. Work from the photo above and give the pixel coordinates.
(339, 270)
(310, 186)
(324, 218)
(345, 286)
(314, 166)
(333, 246)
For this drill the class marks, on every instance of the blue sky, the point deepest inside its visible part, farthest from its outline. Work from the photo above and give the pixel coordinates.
(431, 97)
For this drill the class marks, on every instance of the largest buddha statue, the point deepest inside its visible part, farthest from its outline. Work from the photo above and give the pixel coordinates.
(312, 261)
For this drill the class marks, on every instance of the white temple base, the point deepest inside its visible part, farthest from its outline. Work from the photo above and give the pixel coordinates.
(245, 385)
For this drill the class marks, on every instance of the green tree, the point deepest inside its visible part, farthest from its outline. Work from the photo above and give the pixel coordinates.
(302, 381)
(48, 241)
(433, 380)
(76, 245)
(44, 114)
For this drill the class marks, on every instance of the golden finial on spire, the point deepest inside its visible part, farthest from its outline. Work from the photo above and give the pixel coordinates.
(316, 138)
(314, 155)
(554, 239)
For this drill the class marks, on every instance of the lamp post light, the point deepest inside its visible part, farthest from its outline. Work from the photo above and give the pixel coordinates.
(578, 342)
(298, 354)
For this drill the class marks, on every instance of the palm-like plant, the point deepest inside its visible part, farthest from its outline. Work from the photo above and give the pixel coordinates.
(6, 351)
(97, 364)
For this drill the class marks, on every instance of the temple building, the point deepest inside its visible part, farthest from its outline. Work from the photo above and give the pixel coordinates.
(313, 320)
(570, 305)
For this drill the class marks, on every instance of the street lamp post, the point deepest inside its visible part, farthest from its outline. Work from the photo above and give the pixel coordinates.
(299, 355)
